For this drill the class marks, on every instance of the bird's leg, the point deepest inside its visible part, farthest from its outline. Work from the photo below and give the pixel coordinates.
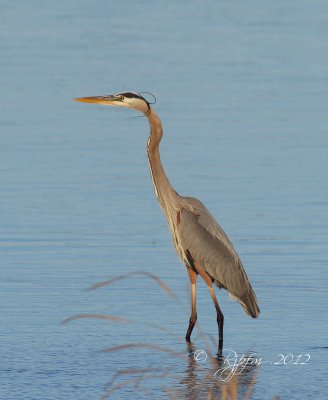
(193, 317)
(209, 282)
(220, 318)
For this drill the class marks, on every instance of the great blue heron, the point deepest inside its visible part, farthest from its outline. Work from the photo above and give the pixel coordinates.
(199, 240)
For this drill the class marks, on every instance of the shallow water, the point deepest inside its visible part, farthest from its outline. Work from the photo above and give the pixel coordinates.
(242, 93)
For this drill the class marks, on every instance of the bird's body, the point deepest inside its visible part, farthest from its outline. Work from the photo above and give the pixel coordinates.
(199, 240)
(200, 235)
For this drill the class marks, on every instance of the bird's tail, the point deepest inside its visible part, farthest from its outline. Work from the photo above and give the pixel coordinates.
(249, 303)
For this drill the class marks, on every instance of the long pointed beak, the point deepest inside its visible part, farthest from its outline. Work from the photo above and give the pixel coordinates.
(96, 99)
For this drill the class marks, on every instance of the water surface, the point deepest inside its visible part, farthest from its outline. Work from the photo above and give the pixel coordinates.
(242, 92)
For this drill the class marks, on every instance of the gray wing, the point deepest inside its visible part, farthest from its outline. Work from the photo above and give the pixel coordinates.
(201, 236)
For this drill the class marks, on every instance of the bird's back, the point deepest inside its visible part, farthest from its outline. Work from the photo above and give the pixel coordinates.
(198, 233)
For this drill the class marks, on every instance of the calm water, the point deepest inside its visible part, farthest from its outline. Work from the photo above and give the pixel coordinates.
(242, 92)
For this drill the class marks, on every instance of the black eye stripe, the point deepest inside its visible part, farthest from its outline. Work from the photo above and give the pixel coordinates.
(130, 95)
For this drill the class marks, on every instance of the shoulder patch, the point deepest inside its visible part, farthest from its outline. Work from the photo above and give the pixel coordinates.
(178, 217)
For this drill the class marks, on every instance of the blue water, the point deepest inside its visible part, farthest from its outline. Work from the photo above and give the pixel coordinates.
(242, 92)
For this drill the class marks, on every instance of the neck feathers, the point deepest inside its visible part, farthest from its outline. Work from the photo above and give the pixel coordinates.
(165, 194)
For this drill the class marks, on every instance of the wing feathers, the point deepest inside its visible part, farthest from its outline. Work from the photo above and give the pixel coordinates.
(207, 243)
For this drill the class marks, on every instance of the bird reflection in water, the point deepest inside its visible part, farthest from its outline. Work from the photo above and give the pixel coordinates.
(216, 380)
(211, 381)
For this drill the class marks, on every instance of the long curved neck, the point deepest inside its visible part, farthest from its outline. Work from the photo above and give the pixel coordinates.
(165, 194)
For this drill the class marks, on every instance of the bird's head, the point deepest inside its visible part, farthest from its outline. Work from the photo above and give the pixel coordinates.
(127, 100)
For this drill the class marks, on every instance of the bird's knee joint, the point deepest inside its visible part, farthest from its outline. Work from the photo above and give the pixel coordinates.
(220, 317)
(193, 319)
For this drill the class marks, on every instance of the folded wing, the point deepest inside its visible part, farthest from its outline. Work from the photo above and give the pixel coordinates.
(207, 243)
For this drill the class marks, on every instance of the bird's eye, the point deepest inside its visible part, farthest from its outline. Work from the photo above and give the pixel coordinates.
(120, 98)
